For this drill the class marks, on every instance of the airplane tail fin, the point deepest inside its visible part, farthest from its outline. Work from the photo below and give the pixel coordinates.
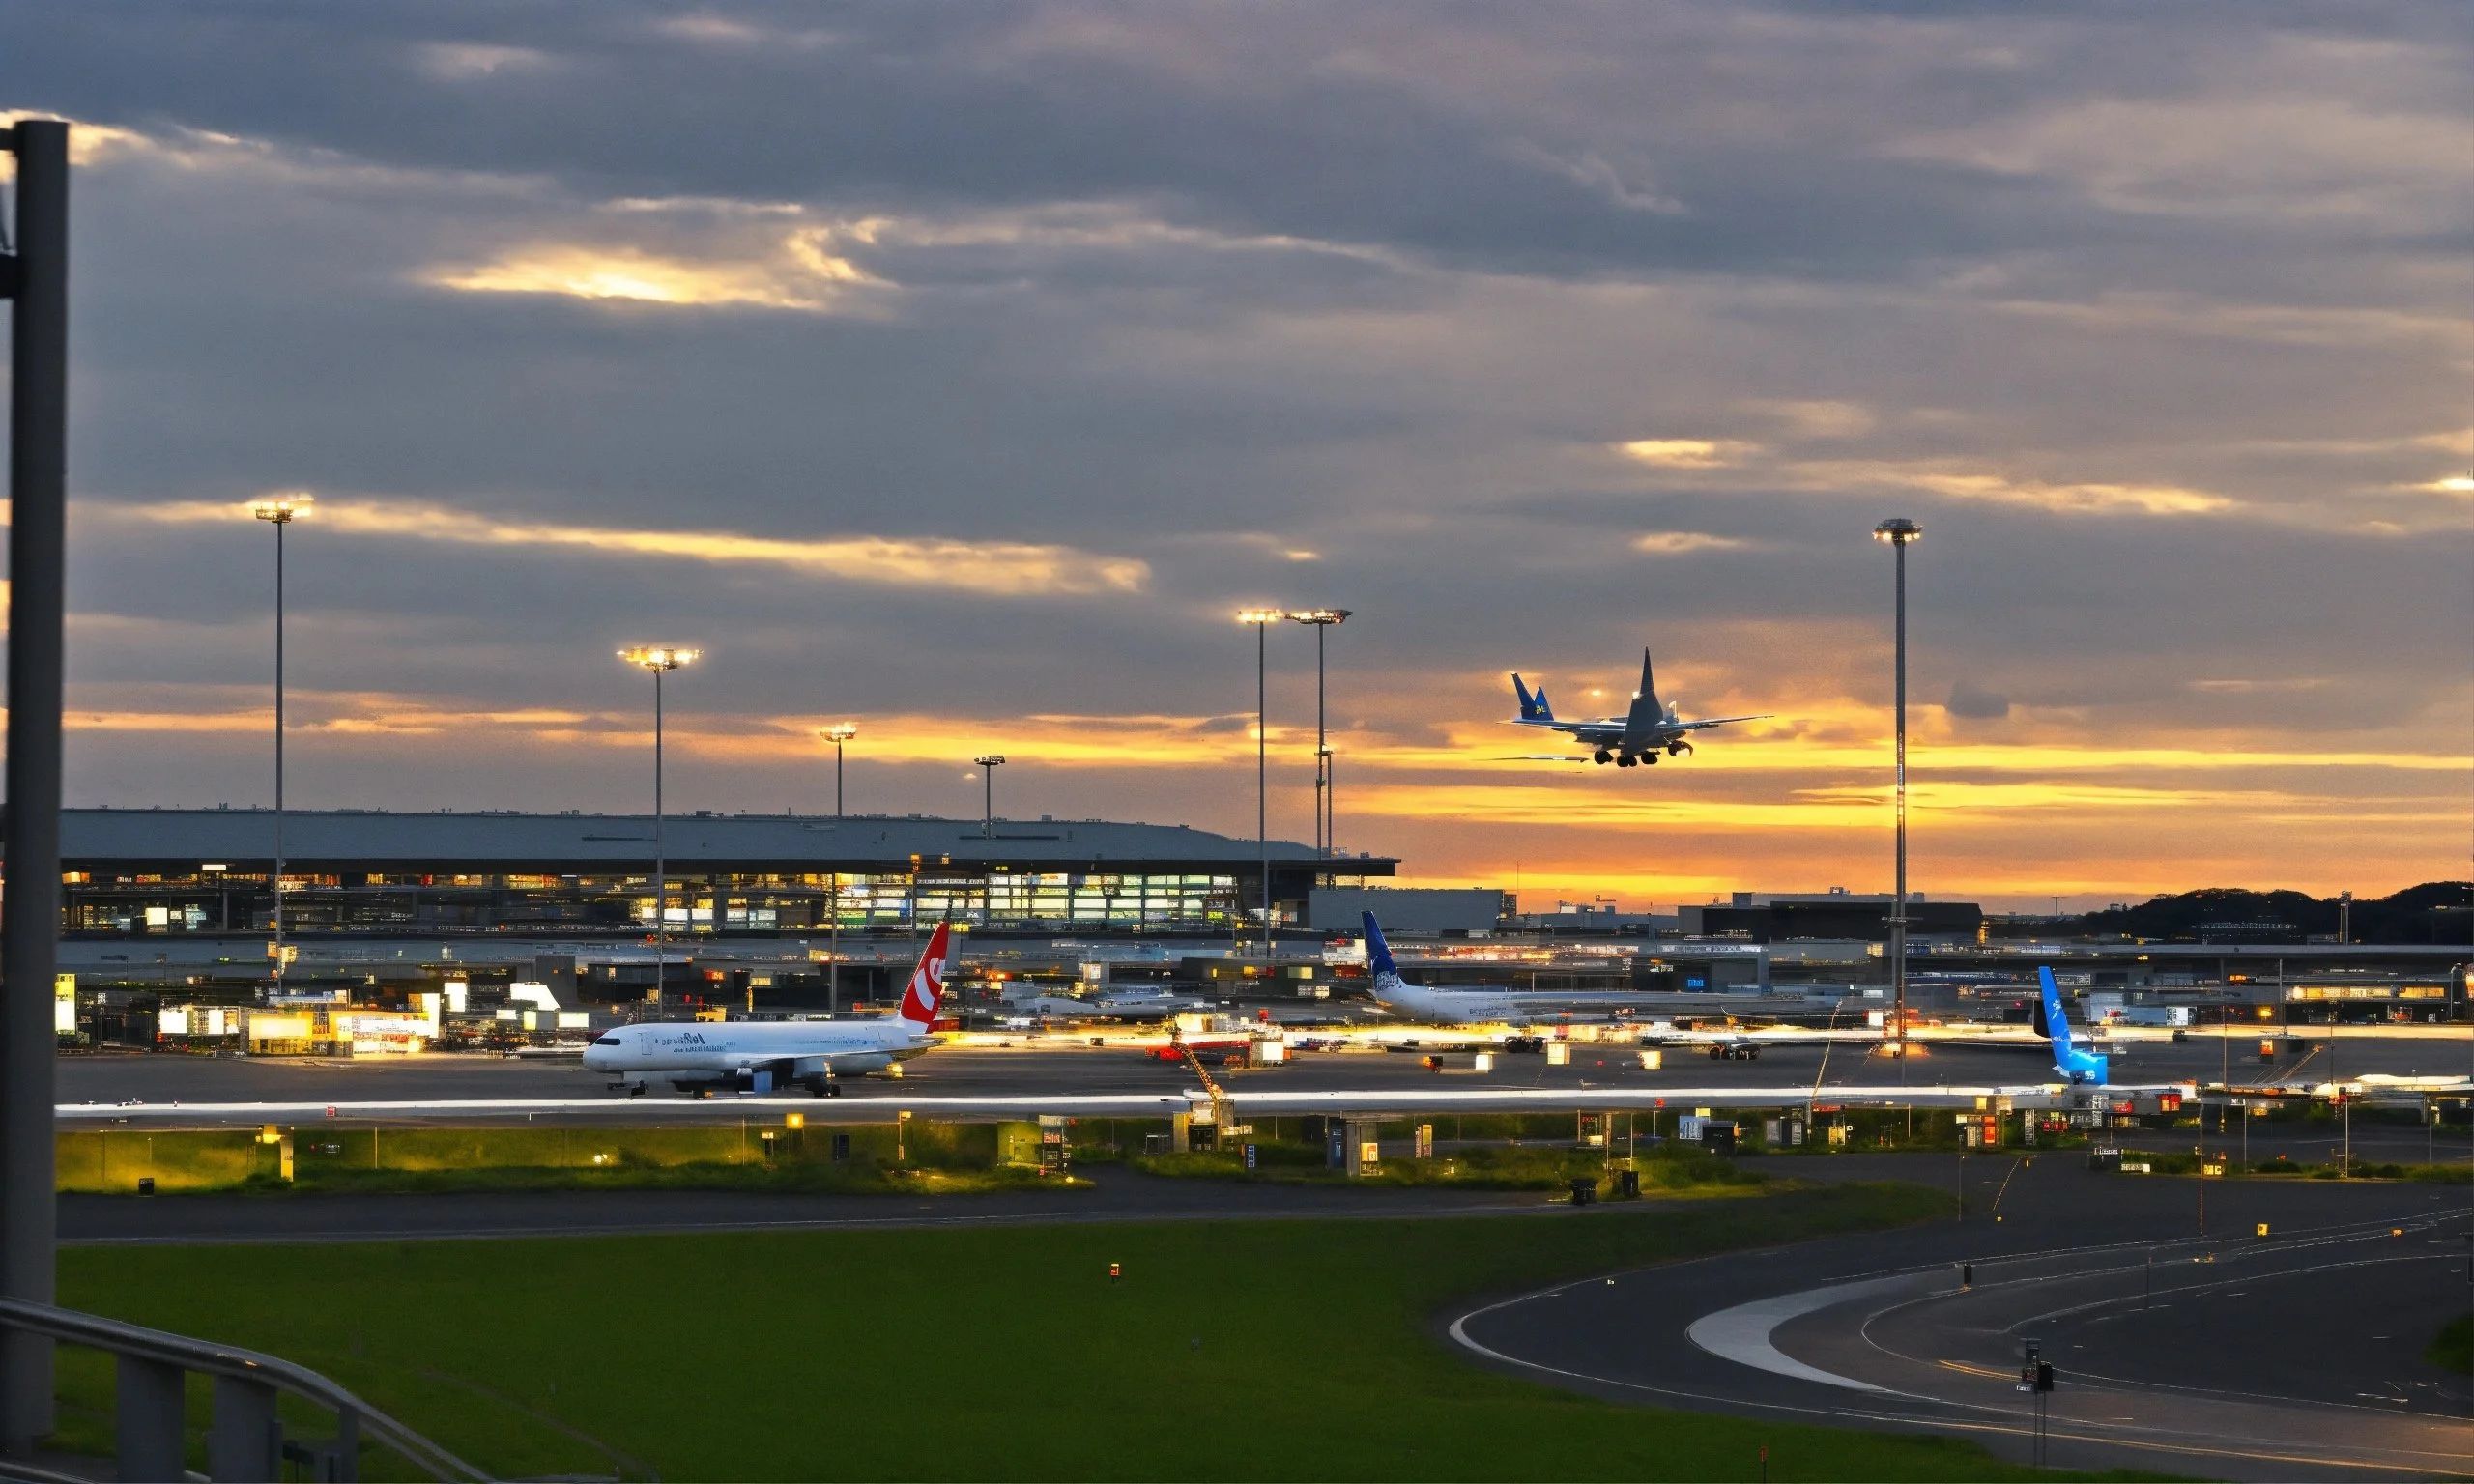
(2056, 1023)
(1533, 704)
(927, 987)
(1378, 953)
(1641, 724)
(2074, 1065)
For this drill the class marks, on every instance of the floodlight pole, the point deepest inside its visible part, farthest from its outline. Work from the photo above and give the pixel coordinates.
(36, 277)
(838, 735)
(1322, 619)
(1899, 533)
(660, 660)
(987, 767)
(279, 526)
(661, 866)
(1263, 619)
(278, 513)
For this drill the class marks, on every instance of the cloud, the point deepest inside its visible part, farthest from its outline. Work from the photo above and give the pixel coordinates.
(800, 274)
(456, 61)
(2230, 686)
(1976, 705)
(1684, 543)
(1686, 452)
(1817, 420)
(1952, 480)
(812, 333)
(705, 28)
(958, 567)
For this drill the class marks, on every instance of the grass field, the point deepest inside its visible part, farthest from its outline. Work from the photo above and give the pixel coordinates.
(1664, 1170)
(1230, 1350)
(2453, 1348)
(745, 1156)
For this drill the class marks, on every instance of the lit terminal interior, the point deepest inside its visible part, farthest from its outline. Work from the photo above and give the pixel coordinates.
(165, 872)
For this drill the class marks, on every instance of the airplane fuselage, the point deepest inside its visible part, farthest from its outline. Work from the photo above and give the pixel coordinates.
(758, 1055)
(1607, 742)
(763, 1056)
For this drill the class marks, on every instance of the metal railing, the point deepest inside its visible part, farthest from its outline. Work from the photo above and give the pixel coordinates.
(246, 1439)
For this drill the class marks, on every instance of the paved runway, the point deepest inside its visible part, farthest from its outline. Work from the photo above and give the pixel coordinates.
(162, 1078)
(2294, 1355)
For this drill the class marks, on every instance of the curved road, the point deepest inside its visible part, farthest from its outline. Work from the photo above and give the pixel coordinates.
(2297, 1354)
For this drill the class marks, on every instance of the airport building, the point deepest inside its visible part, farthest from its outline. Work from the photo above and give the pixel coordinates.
(1776, 917)
(167, 872)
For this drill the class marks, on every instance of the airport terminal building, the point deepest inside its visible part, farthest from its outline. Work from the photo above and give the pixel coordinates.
(155, 872)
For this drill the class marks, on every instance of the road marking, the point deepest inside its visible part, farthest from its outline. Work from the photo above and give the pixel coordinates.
(1741, 1333)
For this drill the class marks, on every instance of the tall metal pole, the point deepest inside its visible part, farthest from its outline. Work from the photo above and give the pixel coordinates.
(1322, 758)
(30, 848)
(1322, 618)
(661, 866)
(988, 766)
(837, 780)
(660, 660)
(279, 753)
(1262, 787)
(1898, 905)
(278, 512)
(1899, 533)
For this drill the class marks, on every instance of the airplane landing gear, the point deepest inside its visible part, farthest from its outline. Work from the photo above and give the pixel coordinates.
(1605, 757)
(1650, 757)
(1627, 761)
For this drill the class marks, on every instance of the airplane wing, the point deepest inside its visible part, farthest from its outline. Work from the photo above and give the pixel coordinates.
(1717, 721)
(1543, 758)
(1603, 732)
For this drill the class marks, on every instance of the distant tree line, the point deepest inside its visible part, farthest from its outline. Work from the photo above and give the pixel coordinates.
(2433, 912)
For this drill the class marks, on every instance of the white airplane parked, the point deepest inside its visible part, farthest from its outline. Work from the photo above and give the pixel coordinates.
(764, 1056)
(1467, 1007)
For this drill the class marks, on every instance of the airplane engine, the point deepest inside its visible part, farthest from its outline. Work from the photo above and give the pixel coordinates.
(861, 1064)
(813, 1073)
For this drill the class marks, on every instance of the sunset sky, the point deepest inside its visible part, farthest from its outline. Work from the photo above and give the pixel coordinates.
(959, 370)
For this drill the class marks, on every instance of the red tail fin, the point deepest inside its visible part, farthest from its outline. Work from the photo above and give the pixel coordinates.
(927, 988)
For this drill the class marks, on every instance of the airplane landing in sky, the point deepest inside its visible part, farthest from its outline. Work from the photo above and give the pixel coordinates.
(1640, 735)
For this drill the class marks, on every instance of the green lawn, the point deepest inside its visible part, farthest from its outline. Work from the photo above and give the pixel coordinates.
(1230, 1350)
(2453, 1348)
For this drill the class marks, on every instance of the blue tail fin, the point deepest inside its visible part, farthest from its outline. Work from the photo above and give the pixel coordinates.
(1533, 704)
(1378, 953)
(2057, 1023)
(2074, 1065)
